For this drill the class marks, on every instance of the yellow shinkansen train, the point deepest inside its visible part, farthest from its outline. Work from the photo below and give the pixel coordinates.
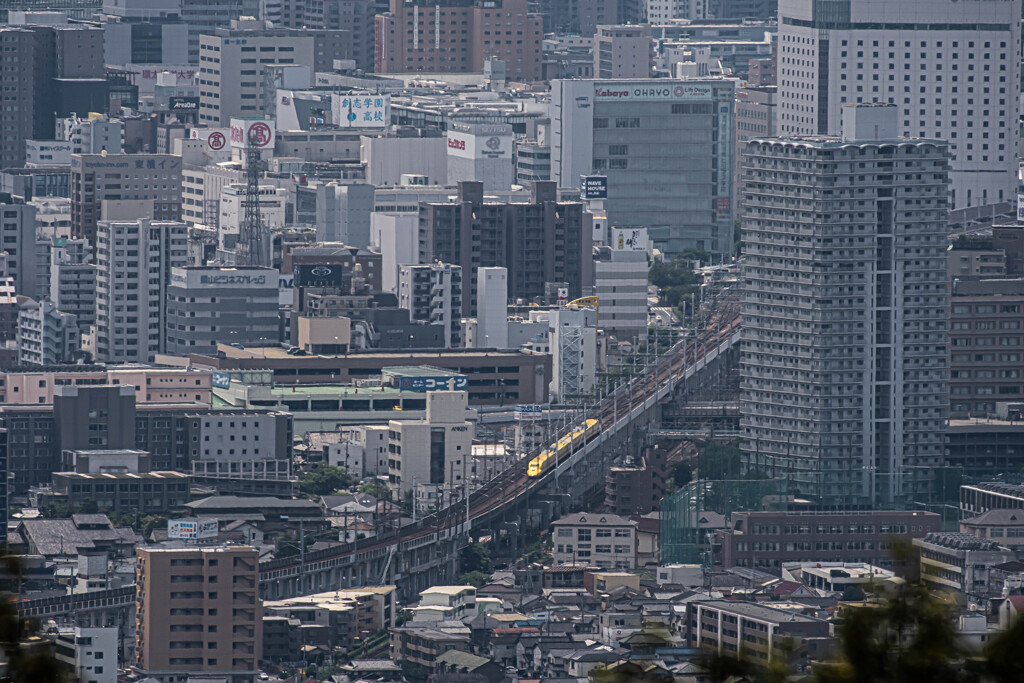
(563, 447)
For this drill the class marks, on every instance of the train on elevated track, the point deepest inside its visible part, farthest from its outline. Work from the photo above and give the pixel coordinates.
(562, 448)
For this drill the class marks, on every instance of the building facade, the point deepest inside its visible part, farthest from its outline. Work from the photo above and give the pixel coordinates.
(623, 52)
(666, 148)
(46, 336)
(595, 539)
(433, 456)
(433, 294)
(949, 67)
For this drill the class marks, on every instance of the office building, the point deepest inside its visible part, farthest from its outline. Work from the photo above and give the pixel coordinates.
(844, 372)
(960, 562)
(88, 654)
(198, 614)
(73, 280)
(144, 32)
(205, 16)
(46, 336)
(52, 62)
(233, 205)
(134, 260)
(418, 37)
(623, 52)
(594, 539)
(93, 135)
(539, 242)
(232, 64)
(768, 540)
(19, 249)
(480, 152)
(211, 304)
(433, 294)
(435, 452)
(666, 149)
(950, 68)
(343, 213)
(95, 178)
(761, 632)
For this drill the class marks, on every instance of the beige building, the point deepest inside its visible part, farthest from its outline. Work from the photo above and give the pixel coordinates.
(606, 541)
(152, 384)
(198, 613)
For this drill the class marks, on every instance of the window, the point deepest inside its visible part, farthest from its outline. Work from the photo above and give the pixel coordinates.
(632, 122)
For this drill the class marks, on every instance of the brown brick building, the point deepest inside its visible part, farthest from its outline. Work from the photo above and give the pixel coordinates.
(198, 612)
(456, 37)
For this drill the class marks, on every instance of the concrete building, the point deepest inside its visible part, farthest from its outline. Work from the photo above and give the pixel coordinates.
(395, 234)
(768, 540)
(59, 69)
(960, 562)
(142, 177)
(666, 148)
(852, 410)
(46, 336)
(480, 152)
(532, 161)
(23, 386)
(272, 202)
(205, 16)
(231, 61)
(134, 260)
(949, 67)
(433, 456)
(433, 294)
(185, 626)
(47, 153)
(458, 37)
(95, 134)
(392, 156)
(623, 52)
(756, 114)
(90, 654)
(594, 539)
(343, 213)
(144, 32)
(573, 338)
(362, 451)
(492, 308)
(542, 241)
(73, 280)
(985, 345)
(211, 304)
(237, 445)
(19, 250)
(761, 632)
(620, 284)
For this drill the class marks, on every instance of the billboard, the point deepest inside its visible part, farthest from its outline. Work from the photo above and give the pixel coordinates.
(528, 413)
(460, 382)
(192, 529)
(669, 91)
(247, 133)
(185, 104)
(593, 187)
(474, 146)
(629, 239)
(361, 110)
(216, 138)
(310, 275)
(221, 380)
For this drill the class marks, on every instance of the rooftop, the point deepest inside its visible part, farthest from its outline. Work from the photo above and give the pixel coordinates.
(958, 541)
(755, 611)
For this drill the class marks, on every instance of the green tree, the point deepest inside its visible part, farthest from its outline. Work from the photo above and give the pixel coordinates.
(376, 488)
(150, 522)
(719, 461)
(28, 657)
(475, 579)
(476, 557)
(324, 479)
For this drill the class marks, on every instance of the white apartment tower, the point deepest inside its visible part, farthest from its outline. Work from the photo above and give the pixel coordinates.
(133, 262)
(433, 294)
(952, 69)
(844, 372)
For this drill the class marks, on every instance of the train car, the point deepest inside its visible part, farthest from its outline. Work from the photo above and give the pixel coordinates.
(562, 448)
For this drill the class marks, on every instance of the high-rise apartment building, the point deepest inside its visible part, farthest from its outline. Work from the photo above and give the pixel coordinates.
(844, 372)
(19, 249)
(205, 16)
(198, 614)
(623, 52)
(144, 177)
(433, 294)
(93, 135)
(73, 280)
(666, 148)
(458, 36)
(134, 260)
(232, 60)
(543, 241)
(211, 304)
(952, 69)
(46, 335)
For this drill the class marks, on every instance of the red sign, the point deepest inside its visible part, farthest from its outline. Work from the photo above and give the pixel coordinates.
(216, 141)
(260, 134)
(456, 144)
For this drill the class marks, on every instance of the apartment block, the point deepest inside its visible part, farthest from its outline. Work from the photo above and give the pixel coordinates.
(623, 52)
(961, 563)
(985, 337)
(542, 241)
(433, 294)
(433, 455)
(844, 372)
(198, 614)
(46, 336)
(762, 633)
(949, 67)
(594, 539)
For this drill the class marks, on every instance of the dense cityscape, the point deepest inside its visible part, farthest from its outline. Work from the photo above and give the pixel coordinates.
(511, 341)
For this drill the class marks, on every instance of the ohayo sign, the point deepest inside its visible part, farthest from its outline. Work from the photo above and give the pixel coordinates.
(247, 133)
(674, 91)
